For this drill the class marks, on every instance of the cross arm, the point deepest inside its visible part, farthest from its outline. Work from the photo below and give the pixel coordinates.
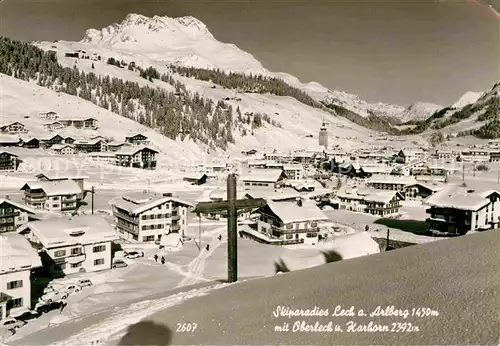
(207, 207)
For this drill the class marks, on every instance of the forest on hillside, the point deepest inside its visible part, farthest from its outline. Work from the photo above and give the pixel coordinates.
(173, 114)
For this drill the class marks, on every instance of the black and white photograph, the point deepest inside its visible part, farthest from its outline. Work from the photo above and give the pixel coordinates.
(249, 172)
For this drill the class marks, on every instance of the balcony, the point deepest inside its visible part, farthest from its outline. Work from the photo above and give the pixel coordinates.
(134, 220)
(295, 230)
(11, 214)
(175, 228)
(35, 195)
(74, 259)
(176, 217)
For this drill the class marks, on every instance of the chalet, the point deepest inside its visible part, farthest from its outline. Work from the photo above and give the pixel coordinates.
(285, 194)
(266, 178)
(257, 164)
(273, 156)
(287, 223)
(77, 178)
(90, 146)
(13, 215)
(17, 260)
(370, 201)
(392, 182)
(83, 123)
(137, 139)
(458, 210)
(72, 245)
(137, 157)
(49, 142)
(63, 149)
(250, 152)
(48, 115)
(9, 161)
(495, 156)
(52, 195)
(30, 143)
(9, 141)
(409, 155)
(13, 128)
(147, 217)
(116, 146)
(421, 190)
(54, 125)
(198, 179)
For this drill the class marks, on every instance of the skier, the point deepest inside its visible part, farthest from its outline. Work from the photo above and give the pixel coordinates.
(162, 260)
(220, 237)
(208, 247)
(156, 258)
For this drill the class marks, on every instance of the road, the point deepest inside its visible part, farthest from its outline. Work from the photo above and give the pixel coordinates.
(457, 279)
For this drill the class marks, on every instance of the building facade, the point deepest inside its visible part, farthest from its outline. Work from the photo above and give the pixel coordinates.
(63, 149)
(13, 128)
(323, 136)
(52, 195)
(147, 217)
(139, 158)
(9, 161)
(13, 215)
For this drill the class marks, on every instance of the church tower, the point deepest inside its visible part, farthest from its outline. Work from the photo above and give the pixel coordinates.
(323, 136)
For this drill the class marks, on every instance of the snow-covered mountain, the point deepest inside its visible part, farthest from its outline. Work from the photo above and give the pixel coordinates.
(418, 111)
(187, 41)
(467, 99)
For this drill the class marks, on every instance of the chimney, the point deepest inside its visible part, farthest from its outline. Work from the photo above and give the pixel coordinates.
(299, 201)
(167, 194)
(7, 197)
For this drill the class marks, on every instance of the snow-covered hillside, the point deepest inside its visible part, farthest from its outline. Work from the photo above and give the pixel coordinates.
(187, 41)
(418, 111)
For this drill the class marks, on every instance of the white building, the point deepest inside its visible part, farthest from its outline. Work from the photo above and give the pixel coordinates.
(390, 182)
(458, 209)
(58, 195)
(147, 217)
(77, 244)
(370, 201)
(409, 155)
(17, 259)
(295, 222)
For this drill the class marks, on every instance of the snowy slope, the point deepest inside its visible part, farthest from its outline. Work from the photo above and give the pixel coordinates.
(467, 99)
(187, 41)
(418, 111)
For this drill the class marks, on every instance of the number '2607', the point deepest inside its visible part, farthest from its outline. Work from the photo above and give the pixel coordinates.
(186, 327)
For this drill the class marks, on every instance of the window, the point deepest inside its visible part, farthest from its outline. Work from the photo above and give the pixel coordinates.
(76, 265)
(99, 261)
(289, 226)
(60, 253)
(99, 248)
(314, 224)
(143, 217)
(148, 238)
(76, 251)
(14, 284)
(289, 236)
(15, 303)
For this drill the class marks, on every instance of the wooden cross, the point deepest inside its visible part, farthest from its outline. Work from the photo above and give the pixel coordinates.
(232, 206)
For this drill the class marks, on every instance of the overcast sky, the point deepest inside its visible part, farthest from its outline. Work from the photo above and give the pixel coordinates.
(390, 51)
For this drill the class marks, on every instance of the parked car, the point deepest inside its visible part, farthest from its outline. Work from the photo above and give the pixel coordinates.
(29, 315)
(10, 323)
(84, 283)
(44, 307)
(133, 254)
(118, 263)
(72, 288)
(54, 296)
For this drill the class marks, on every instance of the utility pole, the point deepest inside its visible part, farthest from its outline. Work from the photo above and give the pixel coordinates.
(199, 232)
(93, 192)
(387, 240)
(463, 172)
(231, 206)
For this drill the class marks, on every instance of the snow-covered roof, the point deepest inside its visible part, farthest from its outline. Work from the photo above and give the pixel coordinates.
(262, 175)
(377, 169)
(141, 202)
(293, 166)
(125, 150)
(222, 194)
(459, 197)
(366, 194)
(16, 253)
(391, 179)
(55, 175)
(55, 188)
(289, 212)
(18, 205)
(60, 146)
(82, 229)
(275, 195)
(88, 142)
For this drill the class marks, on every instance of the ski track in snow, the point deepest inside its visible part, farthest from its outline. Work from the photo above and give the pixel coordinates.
(121, 319)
